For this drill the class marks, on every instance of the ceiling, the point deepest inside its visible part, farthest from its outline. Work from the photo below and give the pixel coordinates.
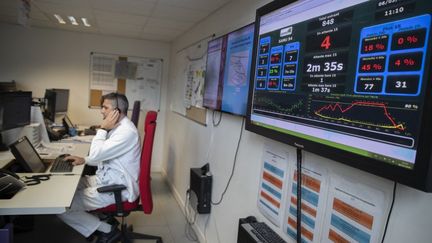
(160, 20)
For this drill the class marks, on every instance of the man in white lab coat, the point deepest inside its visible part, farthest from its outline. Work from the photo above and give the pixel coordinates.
(115, 150)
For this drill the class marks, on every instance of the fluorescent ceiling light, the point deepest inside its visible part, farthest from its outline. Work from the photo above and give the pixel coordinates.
(72, 20)
(85, 22)
(59, 19)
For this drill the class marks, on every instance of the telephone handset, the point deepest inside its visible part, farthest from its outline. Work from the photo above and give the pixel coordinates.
(117, 104)
(10, 184)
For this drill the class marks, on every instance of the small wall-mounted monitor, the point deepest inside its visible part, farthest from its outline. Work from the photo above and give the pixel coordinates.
(229, 60)
(348, 80)
(213, 86)
(238, 61)
(56, 102)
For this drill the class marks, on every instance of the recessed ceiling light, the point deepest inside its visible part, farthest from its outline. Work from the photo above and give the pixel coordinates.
(59, 19)
(72, 20)
(85, 22)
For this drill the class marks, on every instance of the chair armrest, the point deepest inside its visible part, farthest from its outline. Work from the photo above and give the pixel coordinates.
(111, 188)
(116, 189)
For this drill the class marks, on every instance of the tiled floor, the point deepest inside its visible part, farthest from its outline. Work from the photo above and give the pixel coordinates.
(166, 220)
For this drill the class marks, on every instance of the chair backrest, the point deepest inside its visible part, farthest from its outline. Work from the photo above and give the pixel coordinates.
(146, 155)
(136, 112)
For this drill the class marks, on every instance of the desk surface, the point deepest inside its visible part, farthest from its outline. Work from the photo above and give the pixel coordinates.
(49, 197)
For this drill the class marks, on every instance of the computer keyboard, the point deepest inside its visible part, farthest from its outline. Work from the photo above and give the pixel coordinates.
(61, 165)
(265, 234)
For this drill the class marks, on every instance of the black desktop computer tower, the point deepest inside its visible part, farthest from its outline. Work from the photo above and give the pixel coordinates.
(200, 189)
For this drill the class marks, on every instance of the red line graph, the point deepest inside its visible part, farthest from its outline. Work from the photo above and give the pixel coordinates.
(361, 103)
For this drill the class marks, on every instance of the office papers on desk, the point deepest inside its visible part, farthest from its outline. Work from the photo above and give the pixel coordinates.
(78, 139)
(271, 195)
(313, 201)
(37, 117)
(52, 150)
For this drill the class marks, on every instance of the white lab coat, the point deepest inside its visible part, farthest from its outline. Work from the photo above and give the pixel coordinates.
(117, 156)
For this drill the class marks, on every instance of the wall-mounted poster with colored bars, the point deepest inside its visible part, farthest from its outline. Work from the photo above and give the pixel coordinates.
(313, 201)
(274, 172)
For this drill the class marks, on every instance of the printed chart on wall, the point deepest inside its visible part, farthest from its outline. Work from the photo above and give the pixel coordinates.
(314, 193)
(194, 88)
(274, 171)
(355, 212)
(189, 73)
(139, 78)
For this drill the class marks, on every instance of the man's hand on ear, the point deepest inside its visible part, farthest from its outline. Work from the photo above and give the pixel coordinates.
(111, 120)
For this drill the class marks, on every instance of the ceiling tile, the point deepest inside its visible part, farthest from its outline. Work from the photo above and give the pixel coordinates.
(9, 4)
(7, 11)
(209, 5)
(42, 23)
(125, 6)
(178, 13)
(8, 19)
(103, 16)
(171, 24)
(35, 13)
(120, 27)
(161, 31)
(64, 10)
(149, 36)
(70, 3)
(121, 33)
(161, 20)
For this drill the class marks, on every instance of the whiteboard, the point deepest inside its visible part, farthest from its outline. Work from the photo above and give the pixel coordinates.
(147, 84)
(139, 78)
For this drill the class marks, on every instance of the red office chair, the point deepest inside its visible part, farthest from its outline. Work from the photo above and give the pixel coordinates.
(122, 209)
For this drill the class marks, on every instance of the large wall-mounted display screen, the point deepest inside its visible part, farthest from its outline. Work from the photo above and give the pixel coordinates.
(348, 80)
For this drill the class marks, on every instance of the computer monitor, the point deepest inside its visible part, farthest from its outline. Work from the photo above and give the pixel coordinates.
(347, 80)
(15, 110)
(27, 156)
(56, 102)
(213, 85)
(237, 70)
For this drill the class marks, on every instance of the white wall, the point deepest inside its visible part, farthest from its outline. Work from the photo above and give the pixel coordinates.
(38, 59)
(186, 144)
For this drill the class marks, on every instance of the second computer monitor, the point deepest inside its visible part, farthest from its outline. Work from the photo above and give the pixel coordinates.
(56, 102)
(14, 109)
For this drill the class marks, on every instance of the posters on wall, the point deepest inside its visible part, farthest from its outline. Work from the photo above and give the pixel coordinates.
(102, 72)
(334, 208)
(314, 191)
(271, 196)
(355, 212)
(194, 88)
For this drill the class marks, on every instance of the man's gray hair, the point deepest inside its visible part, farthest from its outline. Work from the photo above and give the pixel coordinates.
(118, 100)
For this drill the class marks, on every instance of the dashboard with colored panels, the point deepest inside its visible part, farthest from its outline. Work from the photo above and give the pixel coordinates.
(348, 80)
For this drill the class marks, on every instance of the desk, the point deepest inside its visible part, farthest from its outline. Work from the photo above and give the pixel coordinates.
(49, 197)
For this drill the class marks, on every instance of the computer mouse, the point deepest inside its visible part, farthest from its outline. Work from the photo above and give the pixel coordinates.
(63, 155)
